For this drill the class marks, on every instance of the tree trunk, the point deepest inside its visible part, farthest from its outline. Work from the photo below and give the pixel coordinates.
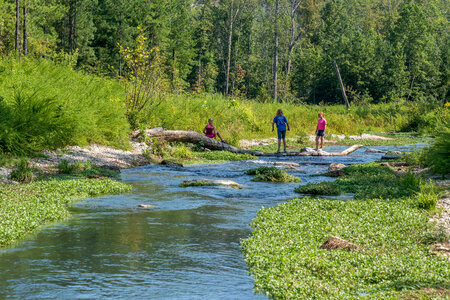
(17, 26)
(25, 37)
(230, 35)
(290, 47)
(71, 29)
(275, 58)
(341, 84)
(195, 137)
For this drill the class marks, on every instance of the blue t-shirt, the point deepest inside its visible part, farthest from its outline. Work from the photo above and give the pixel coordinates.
(281, 122)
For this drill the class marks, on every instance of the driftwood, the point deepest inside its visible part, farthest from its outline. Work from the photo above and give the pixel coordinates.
(194, 137)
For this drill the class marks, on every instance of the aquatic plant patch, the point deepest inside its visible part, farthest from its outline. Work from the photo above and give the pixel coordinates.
(197, 183)
(207, 182)
(271, 174)
(224, 156)
(23, 208)
(285, 259)
(323, 188)
(372, 180)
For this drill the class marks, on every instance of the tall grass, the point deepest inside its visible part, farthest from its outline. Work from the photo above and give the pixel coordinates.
(44, 105)
(244, 119)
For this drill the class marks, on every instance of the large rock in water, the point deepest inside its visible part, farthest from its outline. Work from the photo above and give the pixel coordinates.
(207, 182)
(372, 150)
(170, 163)
(308, 150)
(335, 167)
(335, 170)
(335, 243)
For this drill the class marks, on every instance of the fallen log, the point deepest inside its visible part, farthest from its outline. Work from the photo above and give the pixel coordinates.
(193, 137)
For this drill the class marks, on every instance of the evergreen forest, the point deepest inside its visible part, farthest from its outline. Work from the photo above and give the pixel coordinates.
(279, 50)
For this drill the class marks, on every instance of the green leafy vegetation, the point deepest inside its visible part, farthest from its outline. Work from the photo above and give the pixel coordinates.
(437, 155)
(271, 174)
(83, 169)
(286, 262)
(322, 188)
(23, 208)
(224, 156)
(22, 172)
(374, 181)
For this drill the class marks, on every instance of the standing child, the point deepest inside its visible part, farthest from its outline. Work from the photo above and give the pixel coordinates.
(320, 131)
(210, 130)
(281, 122)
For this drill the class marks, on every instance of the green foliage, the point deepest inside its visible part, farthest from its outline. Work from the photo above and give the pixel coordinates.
(271, 174)
(65, 167)
(22, 172)
(286, 261)
(224, 155)
(43, 105)
(437, 155)
(145, 82)
(322, 188)
(386, 52)
(83, 169)
(302, 137)
(373, 181)
(23, 208)
(415, 158)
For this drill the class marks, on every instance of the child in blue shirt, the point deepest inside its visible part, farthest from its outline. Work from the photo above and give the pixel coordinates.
(281, 122)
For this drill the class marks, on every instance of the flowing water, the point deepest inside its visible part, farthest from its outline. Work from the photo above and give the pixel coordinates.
(186, 247)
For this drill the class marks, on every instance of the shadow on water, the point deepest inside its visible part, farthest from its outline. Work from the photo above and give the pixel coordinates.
(187, 247)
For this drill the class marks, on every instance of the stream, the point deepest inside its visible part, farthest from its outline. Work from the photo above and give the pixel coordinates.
(186, 247)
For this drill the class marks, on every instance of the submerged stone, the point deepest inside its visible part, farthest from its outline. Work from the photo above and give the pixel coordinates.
(171, 163)
(336, 167)
(207, 182)
(371, 150)
(146, 206)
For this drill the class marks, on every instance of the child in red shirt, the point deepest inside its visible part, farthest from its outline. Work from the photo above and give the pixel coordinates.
(320, 131)
(210, 130)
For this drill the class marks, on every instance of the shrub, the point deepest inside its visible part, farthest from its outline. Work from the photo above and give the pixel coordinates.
(44, 105)
(302, 137)
(65, 167)
(437, 156)
(22, 172)
(322, 188)
(271, 174)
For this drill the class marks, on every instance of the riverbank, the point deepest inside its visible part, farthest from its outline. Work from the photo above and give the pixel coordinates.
(24, 208)
(401, 251)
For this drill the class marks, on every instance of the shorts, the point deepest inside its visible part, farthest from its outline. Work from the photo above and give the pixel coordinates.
(320, 132)
(281, 134)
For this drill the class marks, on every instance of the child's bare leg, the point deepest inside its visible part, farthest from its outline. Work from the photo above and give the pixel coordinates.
(321, 142)
(317, 143)
(284, 144)
(279, 144)
(218, 134)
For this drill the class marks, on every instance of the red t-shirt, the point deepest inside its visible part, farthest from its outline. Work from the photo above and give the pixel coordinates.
(321, 124)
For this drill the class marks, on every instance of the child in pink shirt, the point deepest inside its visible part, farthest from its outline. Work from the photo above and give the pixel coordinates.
(320, 131)
(210, 130)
